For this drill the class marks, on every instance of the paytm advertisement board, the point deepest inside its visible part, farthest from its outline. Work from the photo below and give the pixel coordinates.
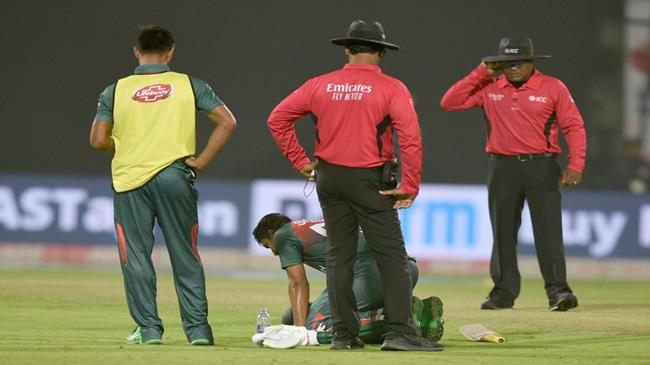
(80, 211)
(448, 222)
(599, 225)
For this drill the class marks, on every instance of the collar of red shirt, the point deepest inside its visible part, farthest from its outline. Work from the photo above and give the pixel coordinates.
(362, 66)
(533, 82)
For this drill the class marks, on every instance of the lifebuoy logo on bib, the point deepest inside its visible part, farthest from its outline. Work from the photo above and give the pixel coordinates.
(153, 93)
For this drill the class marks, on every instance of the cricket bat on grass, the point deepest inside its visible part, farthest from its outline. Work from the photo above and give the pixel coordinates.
(478, 332)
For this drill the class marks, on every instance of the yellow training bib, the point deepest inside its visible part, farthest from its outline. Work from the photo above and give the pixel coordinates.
(154, 124)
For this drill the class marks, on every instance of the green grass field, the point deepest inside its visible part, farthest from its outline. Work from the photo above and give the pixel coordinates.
(79, 317)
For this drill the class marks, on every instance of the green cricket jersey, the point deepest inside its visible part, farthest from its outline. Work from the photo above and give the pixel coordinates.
(304, 242)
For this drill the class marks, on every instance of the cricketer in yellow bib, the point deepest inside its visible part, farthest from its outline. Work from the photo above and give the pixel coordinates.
(154, 125)
(147, 121)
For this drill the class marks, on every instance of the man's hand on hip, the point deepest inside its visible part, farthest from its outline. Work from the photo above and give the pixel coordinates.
(402, 198)
(308, 169)
(571, 177)
(195, 164)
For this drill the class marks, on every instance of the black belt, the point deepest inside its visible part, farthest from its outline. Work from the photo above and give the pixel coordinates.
(524, 157)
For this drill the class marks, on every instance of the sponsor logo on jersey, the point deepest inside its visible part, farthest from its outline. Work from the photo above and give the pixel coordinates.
(348, 92)
(153, 93)
(496, 97)
(537, 99)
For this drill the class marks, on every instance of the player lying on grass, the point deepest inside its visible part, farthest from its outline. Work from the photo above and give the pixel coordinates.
(303, 242)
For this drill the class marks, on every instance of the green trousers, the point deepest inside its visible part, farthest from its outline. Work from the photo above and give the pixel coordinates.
(171, 199)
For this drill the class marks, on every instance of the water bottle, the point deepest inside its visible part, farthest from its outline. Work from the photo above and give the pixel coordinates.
(263, 320)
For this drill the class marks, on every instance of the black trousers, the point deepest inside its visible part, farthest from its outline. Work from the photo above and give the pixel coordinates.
(537, 181)
(349, 198)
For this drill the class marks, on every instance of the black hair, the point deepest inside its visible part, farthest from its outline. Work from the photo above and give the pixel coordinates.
(271, 221)
(155, 39)
(366, 48)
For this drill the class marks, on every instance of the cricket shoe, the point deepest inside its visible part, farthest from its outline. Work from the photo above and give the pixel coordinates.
(135, 338)
(563, 301)
(496, 303)
(432, 324)
(354, 343)
(202, 342)
(393, 342)
(417, 308)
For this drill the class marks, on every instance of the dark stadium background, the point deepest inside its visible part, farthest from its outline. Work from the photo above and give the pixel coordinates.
(58, 56)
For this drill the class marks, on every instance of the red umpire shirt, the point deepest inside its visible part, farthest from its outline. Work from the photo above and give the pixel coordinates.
(524, 120)
(355, 110)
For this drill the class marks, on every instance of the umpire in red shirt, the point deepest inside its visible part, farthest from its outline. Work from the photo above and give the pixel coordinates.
(524, 110)
(355, 111)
